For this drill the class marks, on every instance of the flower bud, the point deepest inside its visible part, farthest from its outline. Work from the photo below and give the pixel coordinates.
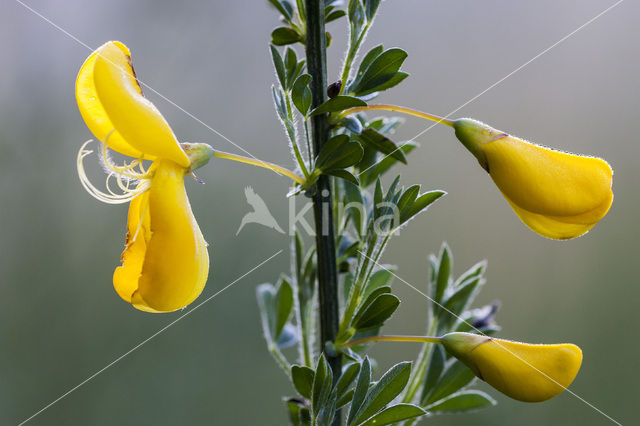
(556, 194)
(522, 371)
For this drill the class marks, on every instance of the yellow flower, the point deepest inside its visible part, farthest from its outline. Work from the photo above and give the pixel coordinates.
(556, 194)
(165, 263)
(526, 372)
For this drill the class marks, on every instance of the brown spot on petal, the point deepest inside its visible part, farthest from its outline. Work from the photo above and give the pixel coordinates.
(133, 71)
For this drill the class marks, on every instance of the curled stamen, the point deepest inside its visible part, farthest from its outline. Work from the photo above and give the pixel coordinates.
(127, 170)
(111, 197)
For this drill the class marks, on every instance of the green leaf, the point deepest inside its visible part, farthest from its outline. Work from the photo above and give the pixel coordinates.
(283, 36)
(378, 311)
(434, 371)
(361, 389)
(420, 203)
(321, 387)
(284, 306)
(362, 308)
(380, 142)
(371, 173)
(368, 59)
(286, 12)
(352, 124)
(455, 377)
(294, 408)
(459, 301)
(301, 94)
(356, 19)
(265, 293)
(338, 153)
(463, 401)
(380, 278)
(339, 103)
(302, 378)
(383, 392)
(382, 69)
(343, 174)
(395, 79)
(345, 399)
(278, 65)
(394, 414)
(443, 275)
(336, 14)
(349, 374)
(371, 7)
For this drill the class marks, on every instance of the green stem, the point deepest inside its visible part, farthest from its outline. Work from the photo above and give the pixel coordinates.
(420, 368)
(392, 338)
(282, 361)
(404, 110)
(292, 136)
(259, 163)
(351, 55)
(322, 199)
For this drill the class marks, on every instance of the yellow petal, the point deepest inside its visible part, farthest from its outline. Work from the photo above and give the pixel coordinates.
(166, 267)
(93, 112)
(134, 117)
(526, 372)
(557, 194)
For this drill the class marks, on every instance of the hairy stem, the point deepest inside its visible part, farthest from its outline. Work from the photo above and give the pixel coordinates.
(322, 199)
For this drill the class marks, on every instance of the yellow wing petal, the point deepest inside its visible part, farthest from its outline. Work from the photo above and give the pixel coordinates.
(134, 117)
(92, 110)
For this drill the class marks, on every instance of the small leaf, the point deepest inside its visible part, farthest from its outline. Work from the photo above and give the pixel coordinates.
(379, 142)
(385, 390)
(284, 306)
(283, 36)
(338, 153)
(382, 69)
(362, 308)
(353, 124)
(463, 401)
(378, 311)
(421, 203)
(380, 278)
(301, 94)
(394, 414)
(286, 12)
(371, 7)
(443, 275)
(360, 391)
(459, 301)
(278, 65)
(368, 59)
(302, 378)
(369, 174)
(343, 174)
(321, 385)
(288, 336)
(346, 379)
(455, 377)
(294, 408)
(339, 103)
(356, 19)
(336, 14)
(393, 81)
(265, 293)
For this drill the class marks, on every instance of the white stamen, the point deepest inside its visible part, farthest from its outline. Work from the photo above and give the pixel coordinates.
(122, 174)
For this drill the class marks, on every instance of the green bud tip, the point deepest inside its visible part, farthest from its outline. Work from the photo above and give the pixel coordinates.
(199, 154)
(473, 133)
(460, 345)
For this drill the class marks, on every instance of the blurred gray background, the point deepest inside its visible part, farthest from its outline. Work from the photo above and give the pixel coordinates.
(61, 320)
